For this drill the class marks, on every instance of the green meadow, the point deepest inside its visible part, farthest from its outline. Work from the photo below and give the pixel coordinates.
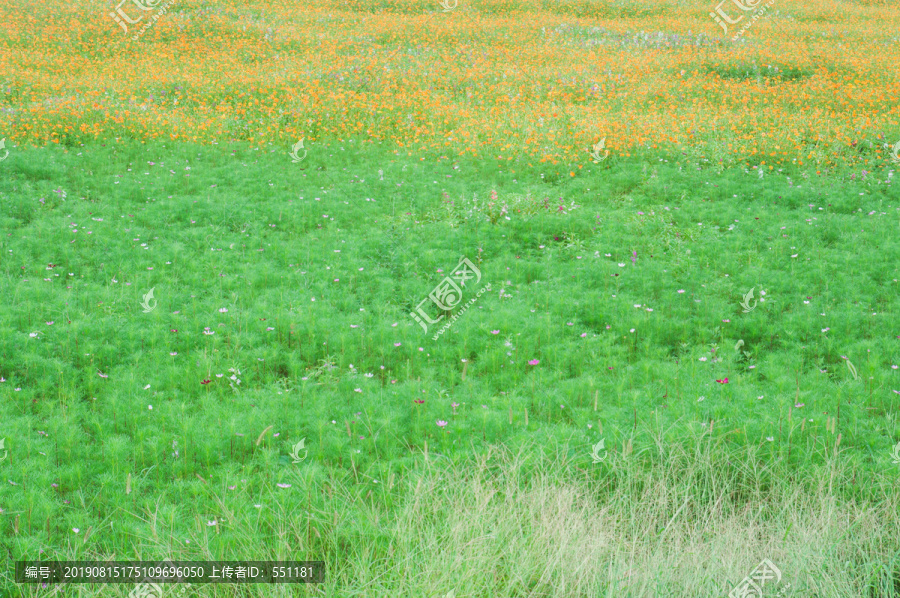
(674, 371)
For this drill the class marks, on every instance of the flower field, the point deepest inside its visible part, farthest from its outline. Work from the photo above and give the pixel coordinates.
(810, 83)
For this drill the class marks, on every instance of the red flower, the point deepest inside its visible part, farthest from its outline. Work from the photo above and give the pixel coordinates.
(419, 401)
(207, 381)
(725, 381)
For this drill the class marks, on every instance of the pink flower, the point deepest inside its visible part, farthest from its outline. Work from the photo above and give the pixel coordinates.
(495, 332)
(534, 362)
(441, 423)
(284, 485)
(725, 381)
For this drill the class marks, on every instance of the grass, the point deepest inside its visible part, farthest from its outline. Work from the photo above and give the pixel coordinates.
(671, 364)
(307, 278)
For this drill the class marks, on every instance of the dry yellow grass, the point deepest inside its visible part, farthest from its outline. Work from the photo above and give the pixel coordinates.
(693, 523)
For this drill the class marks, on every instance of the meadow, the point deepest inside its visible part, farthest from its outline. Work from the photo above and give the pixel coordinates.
(679, 354)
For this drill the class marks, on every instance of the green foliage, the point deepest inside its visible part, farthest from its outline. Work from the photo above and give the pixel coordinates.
(282, 301)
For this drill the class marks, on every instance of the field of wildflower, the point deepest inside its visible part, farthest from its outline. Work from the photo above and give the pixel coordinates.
(585, 298)
(810, 84)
